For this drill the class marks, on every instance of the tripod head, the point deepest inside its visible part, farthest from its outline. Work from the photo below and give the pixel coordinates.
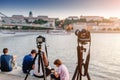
(39, 40)
(83, 36)
(39, 46)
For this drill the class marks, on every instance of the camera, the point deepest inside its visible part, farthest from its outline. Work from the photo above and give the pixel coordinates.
(83, 36)
(52, 70)
(39, 41)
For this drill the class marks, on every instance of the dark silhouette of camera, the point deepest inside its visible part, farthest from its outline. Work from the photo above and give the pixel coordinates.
(83, 36)
(39, 40)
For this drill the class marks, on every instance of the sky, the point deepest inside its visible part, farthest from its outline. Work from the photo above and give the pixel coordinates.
(61, 8)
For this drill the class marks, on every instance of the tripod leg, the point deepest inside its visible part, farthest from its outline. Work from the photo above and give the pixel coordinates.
(43, 68)
(27, 75)
(88, 76)
(31, 66)
(39, 57)
(80, 58)
(75, 73)
(78, 76)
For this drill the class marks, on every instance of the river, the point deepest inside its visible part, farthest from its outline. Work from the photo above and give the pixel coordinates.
(105, 51)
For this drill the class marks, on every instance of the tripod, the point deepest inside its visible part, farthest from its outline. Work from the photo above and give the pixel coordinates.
(40, 63)
(81, 65)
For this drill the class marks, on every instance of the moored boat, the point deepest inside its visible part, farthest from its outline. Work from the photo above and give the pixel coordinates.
(57, 32)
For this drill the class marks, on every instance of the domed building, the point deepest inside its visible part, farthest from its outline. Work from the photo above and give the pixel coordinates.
(30, 14)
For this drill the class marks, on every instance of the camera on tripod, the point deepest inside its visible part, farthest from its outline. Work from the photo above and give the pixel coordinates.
(39, 41)
(83, 36)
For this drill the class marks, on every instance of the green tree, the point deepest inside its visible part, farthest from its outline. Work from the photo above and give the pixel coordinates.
(16, 28)
(40, 21)
(82, 20)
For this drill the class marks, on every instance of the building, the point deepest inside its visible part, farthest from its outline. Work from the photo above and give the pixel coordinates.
(105, 24)
(45, 18)
(91, 25)
(7, 20)
(0, 23)
(20, 19)
(113, 19)
(51, 22)
(72, 18)
(30, 19)
(84, 25)
(13, 19)
(79, 25)
(94, 18)
(30, 14)
(116, 23)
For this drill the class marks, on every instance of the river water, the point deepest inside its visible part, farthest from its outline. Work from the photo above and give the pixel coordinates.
(105, 51)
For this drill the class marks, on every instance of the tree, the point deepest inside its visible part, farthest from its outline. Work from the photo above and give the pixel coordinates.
(16, 28)
(57, 23)
(83, 20)
(3, 21)
(40, 21)
(103, 29)
(26, 20)
(109, 29)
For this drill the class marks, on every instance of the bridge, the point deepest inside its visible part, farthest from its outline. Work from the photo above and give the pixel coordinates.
(43, 26)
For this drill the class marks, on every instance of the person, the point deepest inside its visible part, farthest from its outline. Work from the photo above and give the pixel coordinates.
(28, 61)
(39, 74)
(7, 61)
(62, 71)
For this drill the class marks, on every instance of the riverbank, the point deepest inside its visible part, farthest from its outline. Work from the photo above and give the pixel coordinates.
(9, 76)
(14, 77)
(26, 30)
(45, 31)
(100, 31)
(17, 75)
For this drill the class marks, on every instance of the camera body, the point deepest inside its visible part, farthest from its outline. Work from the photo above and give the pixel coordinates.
(39, 40)
(83, 36)
(52, 70)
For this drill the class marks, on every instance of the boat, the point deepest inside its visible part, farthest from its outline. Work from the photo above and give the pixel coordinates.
(57, 32)
(7, 32)
(4, 33)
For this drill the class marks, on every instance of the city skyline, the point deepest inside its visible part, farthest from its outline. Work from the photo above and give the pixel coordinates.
(61, 8)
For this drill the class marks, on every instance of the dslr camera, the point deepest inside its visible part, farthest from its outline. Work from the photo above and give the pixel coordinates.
(83, 36)
(39, 40)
